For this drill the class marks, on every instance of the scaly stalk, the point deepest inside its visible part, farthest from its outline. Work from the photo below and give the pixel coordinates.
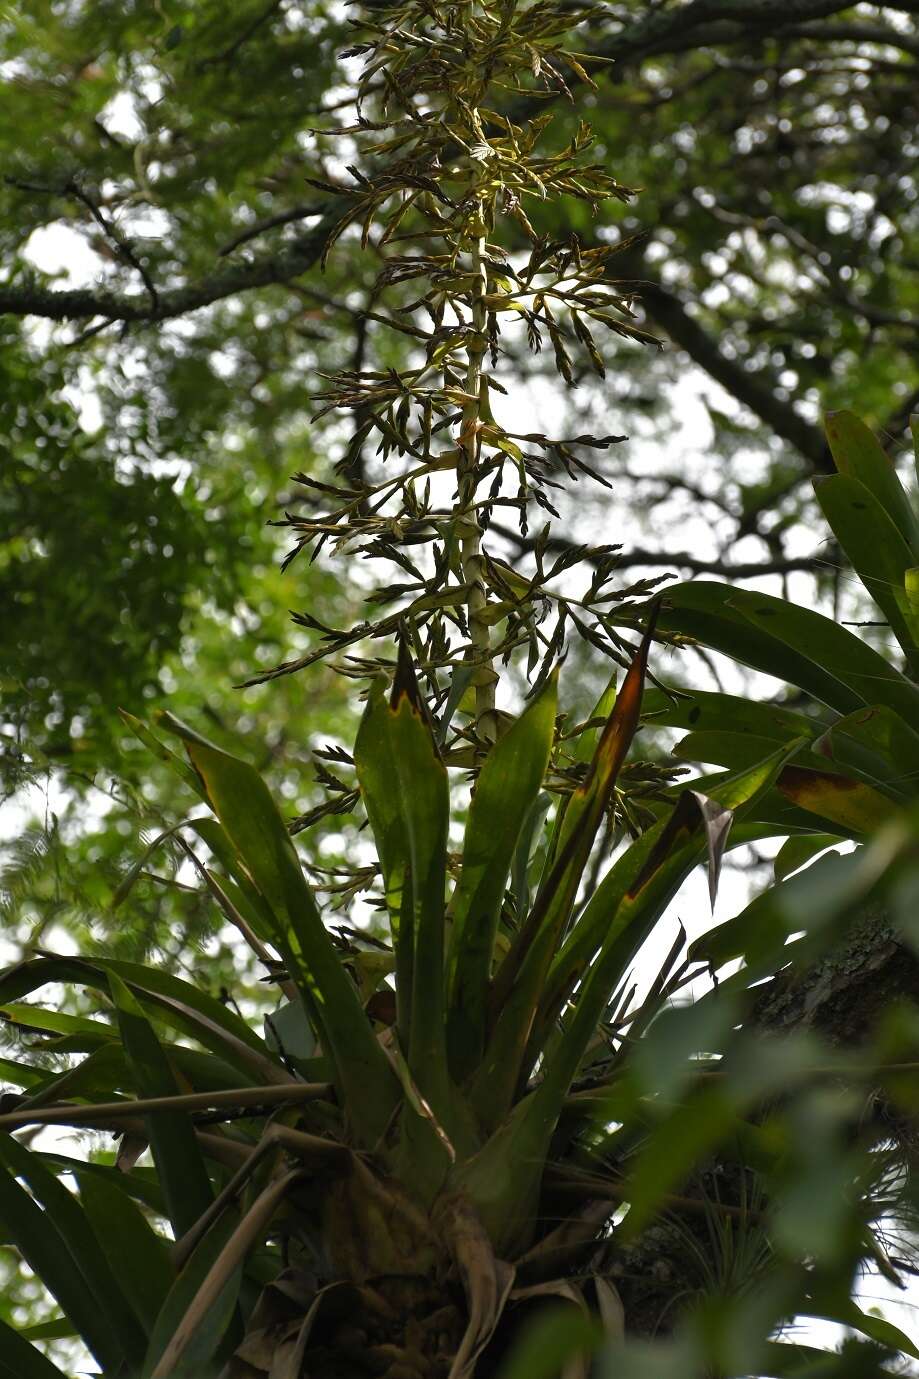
(467, 525)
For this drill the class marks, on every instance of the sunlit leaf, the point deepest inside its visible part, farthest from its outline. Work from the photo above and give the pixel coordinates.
(505, 793)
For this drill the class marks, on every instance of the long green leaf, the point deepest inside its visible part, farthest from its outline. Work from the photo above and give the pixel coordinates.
(182, 1000)
(20, 1360)
(877, 1329)
(852, 661)
(711, 711)
(584, 747)
(797, 852)
(89, 1259)
(141, 1184)
(877, 744)
(139, 1257)
(806, 900)
(637, 911)
(216, 1326)
(858, 454)
(404, 787)
(705, 610)
(103, 1073)
(54, 1329)
(21, 1074)
(163, 753)
(874, 545)
(790, 642)
(43, 1247)
(519, 982)
(699, 1124)
(243, 804)
(856, 808)
(506, 790)
(628, 901)
(734, 751)
(54, 1021)
(242, 892)
(372, 758)
(176, 1153)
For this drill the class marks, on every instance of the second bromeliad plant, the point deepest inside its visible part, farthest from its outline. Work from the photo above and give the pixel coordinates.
(420, 1171)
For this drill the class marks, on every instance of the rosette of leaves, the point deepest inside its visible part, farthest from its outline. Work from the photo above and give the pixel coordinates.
(401, 1166)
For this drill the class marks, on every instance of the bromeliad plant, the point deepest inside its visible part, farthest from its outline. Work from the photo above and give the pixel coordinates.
(392, 1188)
(403, 1159)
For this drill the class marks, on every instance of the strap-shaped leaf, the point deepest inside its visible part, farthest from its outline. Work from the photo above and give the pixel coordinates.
(584, 747)
(826, 892)
(89, 1258)
(250, 818)
(878, 745)
(609, 913)
(704, 609)
(798, 851)
(242, 892)
(141, 1184)
(711, 711)
(733, 751)
(878, 1329)
(404, 788)
(20, 1360)
(30, 1017)
(39, 1238)
(102, 1073)
(21, 1074)
(879, 554)
(833, 647)
(373, 762)
(186, 1007)
(138, 1256)
(215, 1325)
(519, 982)
(856, 808)
(790, 642)
(178, 1160)
(857, 453)
(506, 790)
(856, 805)
(625, 924)
(163, 753)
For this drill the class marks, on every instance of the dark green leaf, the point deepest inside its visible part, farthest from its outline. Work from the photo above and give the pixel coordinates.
(20, 1360)
(251, 820)
(176, 1154)
(859, 455)
(506, 791)
(138, 1256)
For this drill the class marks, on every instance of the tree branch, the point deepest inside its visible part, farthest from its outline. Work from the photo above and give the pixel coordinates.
(708, 22)
(263, 270)
(663, 31)
(683, 560)
(755, 392)
(880, 34)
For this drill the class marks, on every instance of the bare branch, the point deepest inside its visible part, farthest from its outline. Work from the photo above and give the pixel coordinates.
(699, 23)
(682, 560)
(752, 389)
(265, 270)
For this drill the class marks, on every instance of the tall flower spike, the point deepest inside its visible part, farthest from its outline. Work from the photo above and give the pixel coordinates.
(443, 166)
